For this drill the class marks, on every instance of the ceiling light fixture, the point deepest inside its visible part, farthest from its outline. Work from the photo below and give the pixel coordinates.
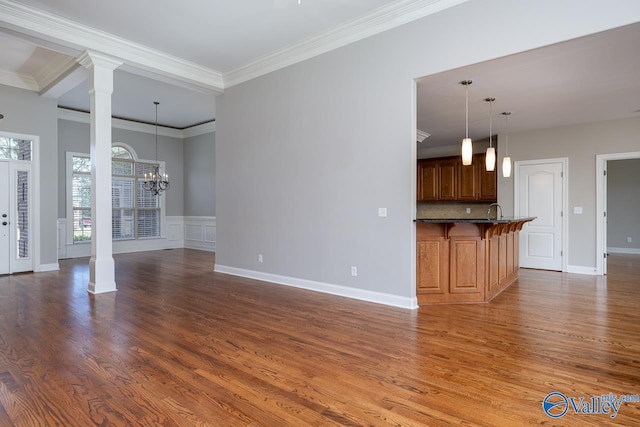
(506, 161)
(467, 145)
(155, 182)
(490, 158)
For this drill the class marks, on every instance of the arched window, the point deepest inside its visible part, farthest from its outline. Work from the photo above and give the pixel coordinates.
(120, 152)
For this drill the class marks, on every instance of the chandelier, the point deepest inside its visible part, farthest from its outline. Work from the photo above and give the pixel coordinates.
(155, 182)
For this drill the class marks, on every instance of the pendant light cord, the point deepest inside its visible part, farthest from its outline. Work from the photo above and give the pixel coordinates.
(490, 133)
(467, 110)
(157, 103)
(506, 115)
(506, 136)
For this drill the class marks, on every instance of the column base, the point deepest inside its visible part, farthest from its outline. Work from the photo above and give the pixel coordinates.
(101, 276)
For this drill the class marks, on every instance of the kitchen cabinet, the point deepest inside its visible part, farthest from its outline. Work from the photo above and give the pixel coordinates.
(464, 261)
(428, 182)
(475, 183)
(446, 179)
(487, 183)
(448, 174)
(468, 181)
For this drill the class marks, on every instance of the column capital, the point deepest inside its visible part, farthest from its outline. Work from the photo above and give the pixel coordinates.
(91, 59)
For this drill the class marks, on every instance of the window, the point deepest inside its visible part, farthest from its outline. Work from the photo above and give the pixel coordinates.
(136, 213)
(15, 149)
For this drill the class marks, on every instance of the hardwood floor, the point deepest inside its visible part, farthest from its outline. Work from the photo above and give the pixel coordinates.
(180, 345)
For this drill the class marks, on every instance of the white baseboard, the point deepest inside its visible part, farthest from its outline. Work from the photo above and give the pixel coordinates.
(623, 250)
(48, 267)
(327, 288)
(579, 269)
(201, 246)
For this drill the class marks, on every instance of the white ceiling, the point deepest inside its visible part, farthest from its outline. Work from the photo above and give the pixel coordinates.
(219, 34)
(223, 42)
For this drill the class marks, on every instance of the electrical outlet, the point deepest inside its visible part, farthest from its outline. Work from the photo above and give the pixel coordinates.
(260, 258)
(354, 271)
(468, 210)
(382, 212)
(629, 239)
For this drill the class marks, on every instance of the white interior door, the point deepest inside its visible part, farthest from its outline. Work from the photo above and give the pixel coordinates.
(5, 226)
(540, 194)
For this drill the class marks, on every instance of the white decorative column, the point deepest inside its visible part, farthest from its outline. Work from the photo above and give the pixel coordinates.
(101, 265)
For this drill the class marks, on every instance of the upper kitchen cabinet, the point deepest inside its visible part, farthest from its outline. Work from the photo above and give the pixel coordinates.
(448, 174)
(487, 183)
(446, 179)
(468, 181)
(428, 182)
(475, 183)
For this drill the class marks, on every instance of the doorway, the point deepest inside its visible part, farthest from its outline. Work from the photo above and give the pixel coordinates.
(16, 205)
(540, 191)
(601, 205)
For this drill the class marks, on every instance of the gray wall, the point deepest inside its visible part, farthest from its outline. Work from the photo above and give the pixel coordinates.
(25, 112)
(580, 144)
(199, 177)
(305, 155)
(623, 204)
(75, 136)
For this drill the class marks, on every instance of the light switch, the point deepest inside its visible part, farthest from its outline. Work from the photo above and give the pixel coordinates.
(382, 212)
(577, 210)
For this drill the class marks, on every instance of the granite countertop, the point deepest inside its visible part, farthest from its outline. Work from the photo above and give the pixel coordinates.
(503, 220)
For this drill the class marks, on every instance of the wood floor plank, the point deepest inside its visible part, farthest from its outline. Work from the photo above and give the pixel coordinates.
(180, 345)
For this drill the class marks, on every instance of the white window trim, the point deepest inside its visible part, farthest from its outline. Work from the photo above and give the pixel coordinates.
(69, 195)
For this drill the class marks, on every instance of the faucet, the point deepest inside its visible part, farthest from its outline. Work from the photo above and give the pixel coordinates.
(497, 207)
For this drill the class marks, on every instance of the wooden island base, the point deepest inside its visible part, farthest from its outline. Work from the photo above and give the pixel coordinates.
(466, 262)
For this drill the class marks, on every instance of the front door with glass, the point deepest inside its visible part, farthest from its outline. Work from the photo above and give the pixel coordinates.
(16, 205)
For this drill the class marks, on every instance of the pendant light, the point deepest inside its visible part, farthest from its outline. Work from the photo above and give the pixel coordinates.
(467, 145)
(490, 158)
(506, 161)
(155, 182)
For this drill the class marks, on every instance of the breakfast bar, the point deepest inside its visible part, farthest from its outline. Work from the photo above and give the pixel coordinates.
(466, 260)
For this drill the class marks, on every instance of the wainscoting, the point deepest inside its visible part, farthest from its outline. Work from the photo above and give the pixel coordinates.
(192, 232)
(200, 233)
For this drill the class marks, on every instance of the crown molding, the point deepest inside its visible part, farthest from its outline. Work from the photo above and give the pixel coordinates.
(69, 34)
(382, 19)
(421, 135)
(82, 117)
(199, 130)
(74, 37)
(18, 80)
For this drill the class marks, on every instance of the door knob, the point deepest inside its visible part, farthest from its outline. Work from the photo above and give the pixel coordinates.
(4, 215)
(4, 222)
